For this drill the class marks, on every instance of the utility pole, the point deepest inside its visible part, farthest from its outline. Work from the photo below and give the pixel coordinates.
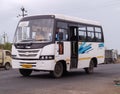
(24, 12)
(4, 37)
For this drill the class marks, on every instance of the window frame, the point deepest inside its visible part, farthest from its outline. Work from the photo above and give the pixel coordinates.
(62, 27)
(76, 24)
(85, 31)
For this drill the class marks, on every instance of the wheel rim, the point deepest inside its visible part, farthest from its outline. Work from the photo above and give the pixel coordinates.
(7, 66)
(58, 70)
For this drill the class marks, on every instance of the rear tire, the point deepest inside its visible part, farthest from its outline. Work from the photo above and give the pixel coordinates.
(25, 72)
(7, 66)
(58, 70)
(90, 69)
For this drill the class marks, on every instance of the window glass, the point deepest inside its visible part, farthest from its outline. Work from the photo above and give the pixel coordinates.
(61, 34)
(90, 33)
(98, 37)
(62, 31)
(83, 28)
(90, 36)
(37, 30)
(89, 28)
(62, 25)
(8, 53)
(98, 34)
(82, 33)
(97, 29)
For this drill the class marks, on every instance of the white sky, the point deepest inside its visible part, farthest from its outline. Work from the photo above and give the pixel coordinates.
(107, 12)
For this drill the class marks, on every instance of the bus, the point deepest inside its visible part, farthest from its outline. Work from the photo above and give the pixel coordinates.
(57, 44)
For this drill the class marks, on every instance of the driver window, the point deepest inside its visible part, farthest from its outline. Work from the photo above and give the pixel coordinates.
(61, 32)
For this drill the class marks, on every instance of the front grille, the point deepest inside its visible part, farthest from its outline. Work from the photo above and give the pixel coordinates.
(31, 51)
(28, 53)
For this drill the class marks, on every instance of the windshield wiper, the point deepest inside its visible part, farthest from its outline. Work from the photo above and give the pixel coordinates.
(42, 40)
(27, 40)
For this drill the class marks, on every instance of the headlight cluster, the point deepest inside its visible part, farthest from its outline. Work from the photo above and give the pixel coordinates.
(47, 57)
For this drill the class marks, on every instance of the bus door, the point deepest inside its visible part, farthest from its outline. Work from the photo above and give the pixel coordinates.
(74, 46)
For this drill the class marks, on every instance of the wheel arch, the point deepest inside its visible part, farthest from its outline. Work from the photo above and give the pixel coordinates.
(64, 64)
(7, 63)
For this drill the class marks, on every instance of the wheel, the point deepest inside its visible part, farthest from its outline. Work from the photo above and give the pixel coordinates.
(25, 72)
(90, 69)
(58, 70)
(7, 66)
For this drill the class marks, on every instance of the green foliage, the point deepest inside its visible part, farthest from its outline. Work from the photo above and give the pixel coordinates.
(6, 46)
(1, 46)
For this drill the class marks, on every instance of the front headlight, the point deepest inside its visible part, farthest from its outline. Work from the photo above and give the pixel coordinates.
(47, 57)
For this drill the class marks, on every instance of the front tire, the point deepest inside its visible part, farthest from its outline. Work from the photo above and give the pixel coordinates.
(90, 69)
(25, 72)
(7, 66)
(58, 70)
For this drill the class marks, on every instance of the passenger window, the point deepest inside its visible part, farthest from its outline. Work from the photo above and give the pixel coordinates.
(90, 28)
(82, 33)
(97, 29)
(98, 34)
(90, 34)
(98, 37)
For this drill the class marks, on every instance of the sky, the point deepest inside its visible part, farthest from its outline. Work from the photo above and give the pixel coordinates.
(107, 12)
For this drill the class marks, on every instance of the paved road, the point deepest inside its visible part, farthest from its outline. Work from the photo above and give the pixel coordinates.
(76, 82)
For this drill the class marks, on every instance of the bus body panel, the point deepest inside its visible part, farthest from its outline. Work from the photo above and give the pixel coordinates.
(40, 61)
(62, 52)
(89, 50)
(45, 65)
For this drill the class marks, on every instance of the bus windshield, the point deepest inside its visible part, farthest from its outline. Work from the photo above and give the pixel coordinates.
(38, 30)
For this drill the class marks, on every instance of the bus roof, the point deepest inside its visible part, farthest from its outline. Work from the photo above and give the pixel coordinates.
(66, 18)
(76, 19)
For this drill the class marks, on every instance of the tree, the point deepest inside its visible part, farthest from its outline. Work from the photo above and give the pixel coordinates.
(6, 46)
(1, 46)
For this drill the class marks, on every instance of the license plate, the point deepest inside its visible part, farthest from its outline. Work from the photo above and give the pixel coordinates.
(26, 65)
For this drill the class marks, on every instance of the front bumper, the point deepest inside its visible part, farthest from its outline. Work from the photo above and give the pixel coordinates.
(47, 65)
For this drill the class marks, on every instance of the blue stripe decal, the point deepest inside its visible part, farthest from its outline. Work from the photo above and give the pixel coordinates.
(101, 45)
(84, 48)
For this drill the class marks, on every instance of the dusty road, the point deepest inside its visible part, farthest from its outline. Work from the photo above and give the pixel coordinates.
(101, 82)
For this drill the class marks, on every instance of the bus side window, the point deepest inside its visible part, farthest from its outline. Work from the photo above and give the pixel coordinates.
(82, 33)
(98, 34)
(90, 34)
